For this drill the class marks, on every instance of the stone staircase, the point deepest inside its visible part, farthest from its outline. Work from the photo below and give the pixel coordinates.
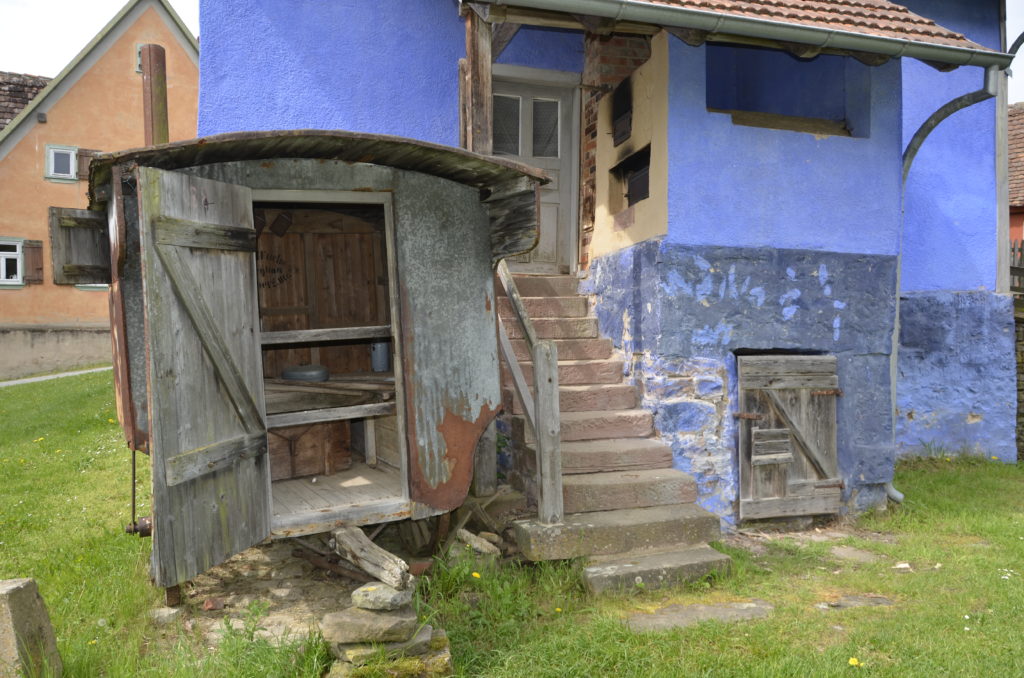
(626, 508)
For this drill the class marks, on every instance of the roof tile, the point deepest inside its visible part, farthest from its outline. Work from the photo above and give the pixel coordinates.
(16, 91)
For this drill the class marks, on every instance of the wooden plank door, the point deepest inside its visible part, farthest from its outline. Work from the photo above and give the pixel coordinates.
(536, 125)
(208, 440)
(787, 441)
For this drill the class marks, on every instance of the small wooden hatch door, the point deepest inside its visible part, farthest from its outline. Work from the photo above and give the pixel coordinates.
(787, 436)
(208, 440)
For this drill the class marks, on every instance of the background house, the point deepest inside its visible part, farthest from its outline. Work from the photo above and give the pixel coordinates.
(1015, 137)
(741, 195)
(95, 103)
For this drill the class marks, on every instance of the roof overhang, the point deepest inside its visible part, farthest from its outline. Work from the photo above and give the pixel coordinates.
(722, 24)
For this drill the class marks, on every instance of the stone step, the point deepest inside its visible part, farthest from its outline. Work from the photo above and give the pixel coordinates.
(545, 285)
(627, 489)
(593, 425)
(570, 349)
(575, 372)
(608, 532)
(651, 570)
(582, 398)
(616, 454)
(557, 328)
(547, 307)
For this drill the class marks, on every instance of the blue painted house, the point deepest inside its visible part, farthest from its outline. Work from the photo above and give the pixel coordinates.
(730, 190)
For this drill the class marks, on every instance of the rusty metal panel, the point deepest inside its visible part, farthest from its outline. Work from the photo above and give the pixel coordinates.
(447, 317)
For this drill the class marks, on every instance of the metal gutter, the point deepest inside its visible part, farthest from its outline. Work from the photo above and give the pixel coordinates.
(715, 22)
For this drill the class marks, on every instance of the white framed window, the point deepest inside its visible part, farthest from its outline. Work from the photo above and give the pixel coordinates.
(62, 163)
(12, 264)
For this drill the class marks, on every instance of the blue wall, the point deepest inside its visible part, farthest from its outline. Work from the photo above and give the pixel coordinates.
(683, 311)
(950, 235)
(386, 66)
(756, 187)
(551, 48)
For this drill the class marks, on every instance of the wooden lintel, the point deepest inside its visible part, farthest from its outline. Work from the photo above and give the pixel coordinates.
(801, 50)
(501, 35)
(598, 25)
(499, 14)
(870, 59)
(691, 36)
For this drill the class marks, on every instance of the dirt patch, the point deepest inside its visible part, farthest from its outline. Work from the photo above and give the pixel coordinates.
(756, 540)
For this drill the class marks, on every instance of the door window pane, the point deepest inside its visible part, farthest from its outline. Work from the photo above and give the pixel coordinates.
(545, 128)
(506, 125)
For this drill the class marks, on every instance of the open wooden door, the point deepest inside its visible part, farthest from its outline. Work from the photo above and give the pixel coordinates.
(208, 441)
(787, 436)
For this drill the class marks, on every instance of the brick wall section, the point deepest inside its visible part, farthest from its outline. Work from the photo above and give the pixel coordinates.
(1020, 388)
(608, 60)
(16, 90)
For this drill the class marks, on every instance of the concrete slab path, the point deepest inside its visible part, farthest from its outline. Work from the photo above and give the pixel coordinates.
(47, 377)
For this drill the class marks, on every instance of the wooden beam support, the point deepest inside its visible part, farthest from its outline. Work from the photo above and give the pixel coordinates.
(154, 94)
(479, 108)
(598, 25)
(501, 36)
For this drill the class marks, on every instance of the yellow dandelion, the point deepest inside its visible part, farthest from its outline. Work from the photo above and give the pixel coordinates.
(39, 439)
(995, 458)
(855, 662)
(558, 609)
(476, 575)
(92, 642)
(111, 421)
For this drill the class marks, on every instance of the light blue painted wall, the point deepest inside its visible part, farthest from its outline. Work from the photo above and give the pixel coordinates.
(551, 48)
(386, 66)
(753, 187)
(950, 235)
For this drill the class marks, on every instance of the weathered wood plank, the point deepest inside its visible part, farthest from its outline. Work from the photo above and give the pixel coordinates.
(283, 337)
(518, 378)
(810, 451)
(827, 501)
(770, 365)
(353, 545)
(479, 103)
(501, 36)
(79, 246)
(220, 455)
(329, 414)
(549, 451)
(188, 233)
(790, 381)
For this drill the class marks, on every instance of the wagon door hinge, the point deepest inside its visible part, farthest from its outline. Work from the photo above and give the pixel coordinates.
(838, 392)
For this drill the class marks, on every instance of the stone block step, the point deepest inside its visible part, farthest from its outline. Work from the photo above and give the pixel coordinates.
(557, 328)
(570, 349)
(545, 285)
(608, 532)
(627, 489)
(652, 570)
(547, 307)
(616, 454)
(593, 425)
(575, 372)
(582, 398)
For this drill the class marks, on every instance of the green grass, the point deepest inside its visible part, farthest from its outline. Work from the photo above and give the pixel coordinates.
(65, 501)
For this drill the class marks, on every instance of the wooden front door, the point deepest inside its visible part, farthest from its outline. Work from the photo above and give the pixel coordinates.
(787, 437)
(537, 125)
(208, 440)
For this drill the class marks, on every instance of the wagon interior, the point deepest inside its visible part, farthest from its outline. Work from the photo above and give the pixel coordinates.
(323, 279)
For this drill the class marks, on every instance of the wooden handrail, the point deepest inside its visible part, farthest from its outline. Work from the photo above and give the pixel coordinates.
(540, 404)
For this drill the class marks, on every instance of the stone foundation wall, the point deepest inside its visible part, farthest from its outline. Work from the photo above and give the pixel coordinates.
(683, 313)
(957, 375)
(31, 349)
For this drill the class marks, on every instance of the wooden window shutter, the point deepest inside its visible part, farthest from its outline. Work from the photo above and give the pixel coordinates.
(85, 157)
(32, 255)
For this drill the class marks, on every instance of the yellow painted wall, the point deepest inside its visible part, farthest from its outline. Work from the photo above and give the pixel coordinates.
(103, 111)
(615, 229)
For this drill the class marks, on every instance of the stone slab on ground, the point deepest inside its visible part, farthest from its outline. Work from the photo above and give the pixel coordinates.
(360, 653)
(162, 616)
(27, 643)
(855, 555)
(680, 616)
(653, 570)
(380, 596)
(355, 625)
(856, 600)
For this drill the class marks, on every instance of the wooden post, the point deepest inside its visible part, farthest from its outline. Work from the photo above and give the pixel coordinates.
(485, 464)
(154, 94)
(479, 107)
(549, 451)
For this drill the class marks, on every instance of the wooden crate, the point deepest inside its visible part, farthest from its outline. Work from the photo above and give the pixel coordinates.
(314, 449)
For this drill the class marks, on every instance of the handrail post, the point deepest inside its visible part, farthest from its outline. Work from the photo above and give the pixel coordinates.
(548, 432)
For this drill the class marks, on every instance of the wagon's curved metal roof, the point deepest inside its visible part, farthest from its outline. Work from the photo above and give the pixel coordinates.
(508, 188)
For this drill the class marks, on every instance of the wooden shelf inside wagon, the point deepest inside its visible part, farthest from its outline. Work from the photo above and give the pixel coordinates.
(345, 396)
(329, 414)
(328, 334)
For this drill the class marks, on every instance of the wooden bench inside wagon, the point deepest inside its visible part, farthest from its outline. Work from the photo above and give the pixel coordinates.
(303, 326)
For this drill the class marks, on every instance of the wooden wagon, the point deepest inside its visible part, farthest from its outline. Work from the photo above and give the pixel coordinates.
(236, 258)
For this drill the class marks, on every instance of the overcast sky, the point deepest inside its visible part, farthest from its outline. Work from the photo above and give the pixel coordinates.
(41, 36)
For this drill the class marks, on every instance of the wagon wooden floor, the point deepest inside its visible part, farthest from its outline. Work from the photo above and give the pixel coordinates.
(358, 485)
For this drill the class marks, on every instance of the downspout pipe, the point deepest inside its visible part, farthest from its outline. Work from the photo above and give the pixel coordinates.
(716, 22)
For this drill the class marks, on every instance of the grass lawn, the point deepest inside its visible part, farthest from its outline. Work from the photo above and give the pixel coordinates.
(65, 501)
